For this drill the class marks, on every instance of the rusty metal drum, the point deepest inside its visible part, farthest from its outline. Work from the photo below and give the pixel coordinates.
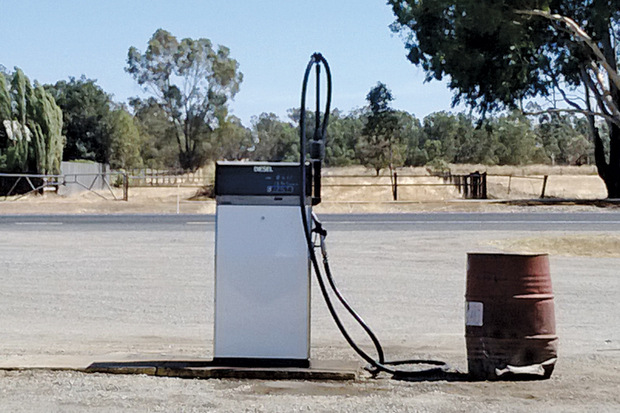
(510, 317)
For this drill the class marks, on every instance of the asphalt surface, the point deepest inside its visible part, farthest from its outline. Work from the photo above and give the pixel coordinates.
(436, 221)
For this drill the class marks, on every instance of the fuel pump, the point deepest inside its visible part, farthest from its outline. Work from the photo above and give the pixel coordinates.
(262, 260)
(266, 236)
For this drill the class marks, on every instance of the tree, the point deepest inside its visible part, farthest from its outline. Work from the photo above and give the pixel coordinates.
(563, 138)
(232, 140)
(31, 138)
(516, 138)
(274, 139)
(158, 148)
(498, 54)
(87, 118)
(124, 141)
(341, 137)
(380, 146)
(192, 83)
(440, 131)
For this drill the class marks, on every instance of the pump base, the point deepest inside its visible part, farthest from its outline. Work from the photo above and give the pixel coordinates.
(259, 362)
(211, 369)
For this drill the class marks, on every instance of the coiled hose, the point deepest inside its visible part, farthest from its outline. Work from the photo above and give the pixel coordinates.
(380, 364)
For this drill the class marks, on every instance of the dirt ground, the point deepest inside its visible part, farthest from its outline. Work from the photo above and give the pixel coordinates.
(105, 294)
(70, 295)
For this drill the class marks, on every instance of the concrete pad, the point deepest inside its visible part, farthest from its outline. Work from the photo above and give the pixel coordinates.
(206, 369)
(183, 368)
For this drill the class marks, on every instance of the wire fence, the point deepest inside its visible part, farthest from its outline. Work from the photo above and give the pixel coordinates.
(115, 185)
(471, 186)
(106, 185)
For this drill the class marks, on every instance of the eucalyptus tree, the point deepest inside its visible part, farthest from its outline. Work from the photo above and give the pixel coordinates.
(496, 54)
(343, 131)
(192, 83)
(274, 140)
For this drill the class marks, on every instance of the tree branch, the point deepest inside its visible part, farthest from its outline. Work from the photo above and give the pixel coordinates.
(581, 35)
(590, 86)
(606, 94)
(564, 96)
(580, 111)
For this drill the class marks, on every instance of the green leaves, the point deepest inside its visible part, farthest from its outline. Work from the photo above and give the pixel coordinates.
(492, 62)
(46, 123)
(5, 99)
(31, 124)
(275, 140)
(125, 141)
(192, 82)
(380, 146)
(86, 109)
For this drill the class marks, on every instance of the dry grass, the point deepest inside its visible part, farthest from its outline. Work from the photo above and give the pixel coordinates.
(527, 170)
(365, 192)
(503, 182)
(580, 245)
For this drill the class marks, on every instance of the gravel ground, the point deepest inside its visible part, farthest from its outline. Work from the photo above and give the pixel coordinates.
(107, 294)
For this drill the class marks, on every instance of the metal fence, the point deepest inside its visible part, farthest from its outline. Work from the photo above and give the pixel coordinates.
(167, 178)
(107, 185)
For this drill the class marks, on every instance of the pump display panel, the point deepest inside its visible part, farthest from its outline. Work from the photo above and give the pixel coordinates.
(259, 178)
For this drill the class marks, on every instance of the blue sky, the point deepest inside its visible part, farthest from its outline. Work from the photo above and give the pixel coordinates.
(271, 39)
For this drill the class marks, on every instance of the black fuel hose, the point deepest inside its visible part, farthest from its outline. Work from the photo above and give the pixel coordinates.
(379, 365)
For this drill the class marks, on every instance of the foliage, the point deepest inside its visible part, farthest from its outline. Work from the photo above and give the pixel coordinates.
(232, 140)
(516, 139)
(342, 135)
(441, 138)
(192, 84)
(87, 118)
(125, 141)
(563, 138)
(45, 120)
(158, 148)
(380, 146)
(31, 138)
(496, 54)
(274, 139)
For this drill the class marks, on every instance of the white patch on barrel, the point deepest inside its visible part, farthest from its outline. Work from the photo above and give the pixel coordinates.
(473, 313)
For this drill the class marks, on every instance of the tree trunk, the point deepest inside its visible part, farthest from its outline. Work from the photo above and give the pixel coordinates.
(609, 171)
(612, 172)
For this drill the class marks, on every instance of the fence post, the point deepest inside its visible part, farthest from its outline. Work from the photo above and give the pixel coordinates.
(475, 185)
(458, 180)
(395, 189)
(466, 186)
(125, 187)
(542, 195)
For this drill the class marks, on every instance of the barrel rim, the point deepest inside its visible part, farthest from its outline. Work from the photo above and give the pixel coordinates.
(511, 254)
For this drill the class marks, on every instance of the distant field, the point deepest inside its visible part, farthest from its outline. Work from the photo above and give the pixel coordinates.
(504, 182)
(347, 189)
